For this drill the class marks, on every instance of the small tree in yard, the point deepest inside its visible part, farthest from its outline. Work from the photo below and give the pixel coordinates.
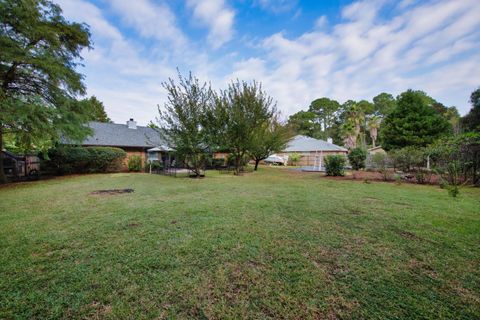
(239, 112)
(381, 163)
(357, 158)
(335, 165)
(268, 138)
(181, 123)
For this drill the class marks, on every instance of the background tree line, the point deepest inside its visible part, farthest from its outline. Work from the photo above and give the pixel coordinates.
(353, 124)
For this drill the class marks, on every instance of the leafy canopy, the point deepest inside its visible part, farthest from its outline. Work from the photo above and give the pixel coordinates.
(268, 138)
(236, 116)
(181, 121)
(97, 109)
(413, 123)
(38, 81)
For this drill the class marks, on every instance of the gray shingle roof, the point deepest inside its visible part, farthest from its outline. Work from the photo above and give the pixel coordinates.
(119, 135)
(305, 144)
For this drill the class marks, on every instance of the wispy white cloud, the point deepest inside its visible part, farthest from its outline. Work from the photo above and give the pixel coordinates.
(217, 16)
(151, 20)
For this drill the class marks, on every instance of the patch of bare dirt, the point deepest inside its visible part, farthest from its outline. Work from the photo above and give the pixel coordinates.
(111, 192)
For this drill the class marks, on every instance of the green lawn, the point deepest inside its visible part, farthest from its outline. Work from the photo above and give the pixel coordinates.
(272, 244)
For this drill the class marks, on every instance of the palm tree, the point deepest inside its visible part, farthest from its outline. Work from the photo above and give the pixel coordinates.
(348, 132)
(353, 125)
(373, 125)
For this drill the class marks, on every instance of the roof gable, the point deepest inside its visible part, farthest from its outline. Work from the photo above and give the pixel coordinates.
(305, 144)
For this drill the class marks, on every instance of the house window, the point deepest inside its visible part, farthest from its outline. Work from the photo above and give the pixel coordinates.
(152, 156)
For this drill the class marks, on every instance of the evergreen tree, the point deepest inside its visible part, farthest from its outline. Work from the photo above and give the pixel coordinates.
(38, 81)
(471, 122)
(413, 123)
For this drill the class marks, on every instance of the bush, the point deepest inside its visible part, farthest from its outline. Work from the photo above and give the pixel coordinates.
(294, 158)
(67, 159)
(408, 158)
(381, 163)
(335, 165)
(135, 163)
(457, 159)
(357, 158)
(154, 165)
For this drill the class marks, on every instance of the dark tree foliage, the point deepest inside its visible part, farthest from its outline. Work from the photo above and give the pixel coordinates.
(71, 159)
(471, 121)
(413, 123)
(97, 109)
(357, 158)
(38, 77)
(304, 123)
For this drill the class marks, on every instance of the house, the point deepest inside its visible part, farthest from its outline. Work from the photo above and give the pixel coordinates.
(134, 139)
(312, 151)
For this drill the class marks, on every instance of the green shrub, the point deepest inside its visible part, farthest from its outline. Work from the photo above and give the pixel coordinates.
(294, 158)
(68, 159)
(381, 163)
(134, 163)
(155, 165)
(408, 158)
(335, 165)
(357, 158)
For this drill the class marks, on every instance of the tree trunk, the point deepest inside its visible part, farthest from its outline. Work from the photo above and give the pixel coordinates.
(237, 165)
(256, 164)
(3, 178)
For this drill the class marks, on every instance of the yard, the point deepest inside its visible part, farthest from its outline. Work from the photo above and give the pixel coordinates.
(270, 244)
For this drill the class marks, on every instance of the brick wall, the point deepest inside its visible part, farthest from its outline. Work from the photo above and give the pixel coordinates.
(311, 158)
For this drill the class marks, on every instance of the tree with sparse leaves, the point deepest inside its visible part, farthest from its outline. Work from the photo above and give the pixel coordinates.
(180, 122)
(38, 79)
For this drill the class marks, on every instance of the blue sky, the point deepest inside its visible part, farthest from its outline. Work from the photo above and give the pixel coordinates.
(299, 50)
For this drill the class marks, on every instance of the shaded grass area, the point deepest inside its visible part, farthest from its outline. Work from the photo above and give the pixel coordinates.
(272, 244)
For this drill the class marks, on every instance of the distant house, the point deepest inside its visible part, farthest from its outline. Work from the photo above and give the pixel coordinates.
(135, 140)
(376, 150)
(312, 151)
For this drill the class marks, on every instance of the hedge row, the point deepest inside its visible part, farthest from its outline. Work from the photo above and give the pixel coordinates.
(66, 160)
